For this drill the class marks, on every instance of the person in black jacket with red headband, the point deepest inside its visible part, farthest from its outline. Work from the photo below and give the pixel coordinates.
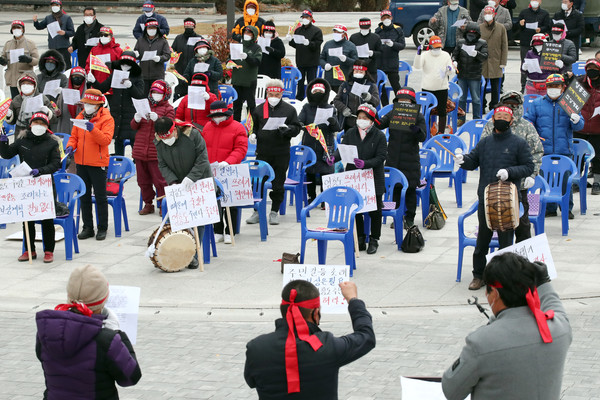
(308, 50)
(270, 64)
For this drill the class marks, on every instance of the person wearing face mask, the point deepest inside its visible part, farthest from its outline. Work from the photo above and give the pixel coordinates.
(270, 64)
(520, 353)
(532, 20)
(107, 50)
(86, 31)
(184, 44)
(569, 51)
(442, 21)
(226, 144)
(372, 40)
(273, 146)
(148, 12)
(42, 154)
(437, 70)
(591, 129)
(372, 152)
(195, 116)
(205, 62)
(90, 148)
(332, 62)
(52, 66)
(153, 40)
(70, 111)
(359, 88)
(573, 20)
(536, 81)
(392, 37)
(469, 56)
(144, 151)
(243, 77)
(493, 68)
(60, 42)
(250, 18)
(501, 15)
(18, 113)
(308, 50)
(26, 61)
(317, 94)
(501, 155)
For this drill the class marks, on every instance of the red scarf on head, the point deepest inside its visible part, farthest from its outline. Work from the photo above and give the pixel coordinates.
(82, 308)
(295, 320)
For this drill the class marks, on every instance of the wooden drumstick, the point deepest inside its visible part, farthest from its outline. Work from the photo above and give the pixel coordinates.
(356, 251)
(442, 146)
(228, 214)
(27, 240)
(200, 257)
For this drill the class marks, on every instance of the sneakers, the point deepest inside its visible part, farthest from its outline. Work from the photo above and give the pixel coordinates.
(148, 209)
(86, 233)
(25, 256)
(101, 235)
(373, 245)
(48, 257)
(596, 188)
(227, 239)
(218, 237)
(476, 284)
(571, 216)
(273, 218)
(253, 218)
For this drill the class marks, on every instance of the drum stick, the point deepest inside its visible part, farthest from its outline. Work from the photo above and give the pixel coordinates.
(161, 197)
(200, 257)
(228, 214)
(357, 253)
(27, 240)
(442, 146)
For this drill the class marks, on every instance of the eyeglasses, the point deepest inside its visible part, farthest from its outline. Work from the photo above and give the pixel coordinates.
(104, 35)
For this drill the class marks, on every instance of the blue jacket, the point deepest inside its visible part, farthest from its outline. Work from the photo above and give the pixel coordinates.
(163, 25)
(553, 125)
(58, 41)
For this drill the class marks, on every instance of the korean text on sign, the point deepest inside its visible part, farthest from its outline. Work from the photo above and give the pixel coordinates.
(194, 207)
(26, 199)
(237, 186)
(359, 179)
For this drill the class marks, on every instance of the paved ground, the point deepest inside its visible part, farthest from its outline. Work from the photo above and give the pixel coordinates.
(193, 326)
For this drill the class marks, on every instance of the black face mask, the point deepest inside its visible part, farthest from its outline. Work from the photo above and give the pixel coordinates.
(318, 97)
(188, 31)
(471, 37)
(501, 125)
(593, 74)
(77, 80)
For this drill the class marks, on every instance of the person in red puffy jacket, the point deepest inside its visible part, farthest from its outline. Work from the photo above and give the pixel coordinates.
(226, 144)
(144, 150)
(195, 114)
(108, 51)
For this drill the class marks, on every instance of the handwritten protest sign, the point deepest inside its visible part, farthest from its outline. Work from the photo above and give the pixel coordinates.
(124, 301)
(194, 207)
(574, 98)
(358, 179)
(404, 115)
(534, 249)
(326, 278)
(26, 199)
(237, 186)
(551, 52)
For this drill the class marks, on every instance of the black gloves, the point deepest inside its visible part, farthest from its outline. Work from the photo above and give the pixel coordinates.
(25, 59)
(3, 60)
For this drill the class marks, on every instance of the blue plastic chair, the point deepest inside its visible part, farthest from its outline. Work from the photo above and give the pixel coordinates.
(554, 169)
(583, 153)
(74, 59)
(65, 139)
(301, 158)
(454, 94)
(489, 115)
(320, 72)
(403, 67)
(430, 162)
(381, 80)
(5, 166)
(428, 102)
(474, 129)
(537, 220)
(261, 175)
(342, 204)
(384, 110)
(228, 93)
(527, 100)
(338, 137)
(120, 169)
(290, 76)
(392, 178)
(446, 167)
(9, 130)
(578, 68)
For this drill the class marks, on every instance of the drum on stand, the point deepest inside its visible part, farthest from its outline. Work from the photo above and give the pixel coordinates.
(173, 250)
(501, 206)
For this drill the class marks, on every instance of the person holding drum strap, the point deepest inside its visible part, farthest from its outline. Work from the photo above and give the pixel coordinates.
(503, 156)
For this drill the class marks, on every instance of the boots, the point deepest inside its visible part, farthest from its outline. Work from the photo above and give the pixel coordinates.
(148, 209)
(373, 245)
(362, 246)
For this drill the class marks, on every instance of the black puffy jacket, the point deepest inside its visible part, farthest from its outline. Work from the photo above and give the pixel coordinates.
(470, 67)
(374, 42)
(308, 56)
(270, 64)
(388, 60)
(39, 152)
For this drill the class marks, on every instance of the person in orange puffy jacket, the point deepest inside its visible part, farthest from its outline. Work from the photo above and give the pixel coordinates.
(191, 114)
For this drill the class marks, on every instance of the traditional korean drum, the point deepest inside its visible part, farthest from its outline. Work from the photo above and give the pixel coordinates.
(501, 206)
(173, 251)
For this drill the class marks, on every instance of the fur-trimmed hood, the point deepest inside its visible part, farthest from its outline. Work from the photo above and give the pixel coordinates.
(60, 64)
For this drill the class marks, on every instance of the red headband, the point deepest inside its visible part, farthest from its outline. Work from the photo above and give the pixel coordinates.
(318, 86)
(198, 82)
(168, 133)
(27, 78)
(295, 320)
(127, 57)
(359, 67)
(340, 27)
(435, 41)
(386, 12)
(364, 23)
(219, 110)
(17, 22)
(82, 308)
(158, 87)
(148, 5)
(41, 115)
(269, 28)
(152, 23)
(189, 23)
(366, 109)
(406, 91)
(490, 8)
(276, 89)
(503, 109)
(557, 29)
(106, 29)
(93, 97)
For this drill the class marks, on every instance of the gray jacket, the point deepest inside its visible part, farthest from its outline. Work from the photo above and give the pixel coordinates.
(502, 17)
(507, 359)
(441, 22)
(569, 55)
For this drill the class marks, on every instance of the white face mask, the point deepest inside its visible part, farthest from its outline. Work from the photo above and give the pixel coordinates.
(268, 35)
(125, 67)
(436, 52)
(250, 11)
(453, 7)
(27, 89)
(104, 40)
(553, 93)
(17, 33)
(88, 20)
(273, 101)
(55, 9)
(170, 141)
(387, 22)
(492, 3)
(488, 17)
(365, 32)
(556, 37)
(535, 4)
(247, 38)
(564, 6)
(151, 32)
(90, 108)
(538, 48)
(359, 75)
(157, 97)
(38, 130)
(305, 21)
(337, 36)
(363, 123)
(218, 120)
(202, 51)
(148, 13)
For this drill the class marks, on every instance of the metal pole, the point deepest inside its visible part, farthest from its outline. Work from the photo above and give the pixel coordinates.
(230, 16)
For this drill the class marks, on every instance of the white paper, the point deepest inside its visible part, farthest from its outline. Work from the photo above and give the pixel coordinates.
(534, 249)
(194, 207)
(336, 52)
(469, 49)
(124, 301)
(34, 104)
(118, 78)
(327, 279)
(361, 180)
(273, 123)
(52, 88)
(14, 55)
(93, 41)
(201, 67)
(105, 58)
(71, 96)
(596, 112)
(148, 55)
(236, 182)
(236, 50)
(322, 115)
(80, 123)
(22, 169)
(26, 199)
(459, 23)
(142, 107)
(363, 50)
(264, 42)
(560, 21)
(418, 389)
(193, 40)
(299, 39)
(533, 65)
(53, 28)
(531, 25)
(359, 88)
(442, 73)
(196, 97)
(386, 41)
(348, 152)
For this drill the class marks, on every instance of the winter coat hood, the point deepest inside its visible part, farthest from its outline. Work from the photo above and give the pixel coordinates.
(251, 19)
(472, 26)
(254, 32)
(135, 70)
(31, 75)
(60, 63)
(312, 98)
